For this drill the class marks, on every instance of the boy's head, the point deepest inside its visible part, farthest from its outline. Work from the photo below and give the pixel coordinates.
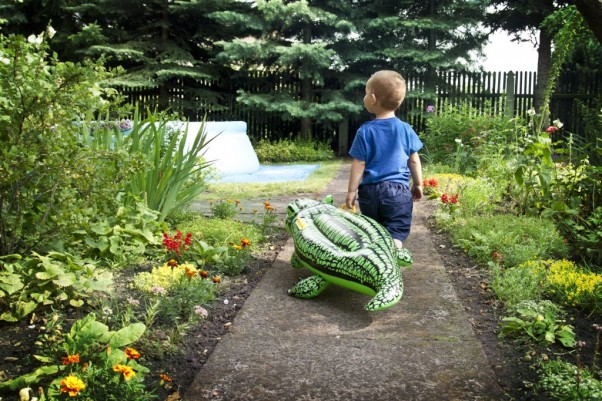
(388, 87)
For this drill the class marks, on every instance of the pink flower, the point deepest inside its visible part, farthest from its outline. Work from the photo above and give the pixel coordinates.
(551, 129)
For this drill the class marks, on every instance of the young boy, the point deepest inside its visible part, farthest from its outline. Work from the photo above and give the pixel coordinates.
(385, 155)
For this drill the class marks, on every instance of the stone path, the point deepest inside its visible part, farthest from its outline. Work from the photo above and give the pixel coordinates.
(281, 348)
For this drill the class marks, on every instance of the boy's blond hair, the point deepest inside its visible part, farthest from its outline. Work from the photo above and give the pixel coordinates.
(388, 87)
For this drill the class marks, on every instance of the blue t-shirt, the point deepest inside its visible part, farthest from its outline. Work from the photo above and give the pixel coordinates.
(385, 145)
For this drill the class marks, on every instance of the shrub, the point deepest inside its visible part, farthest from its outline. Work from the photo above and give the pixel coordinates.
(516, 238)
(49, 183)
(286, 151)
(460, 135)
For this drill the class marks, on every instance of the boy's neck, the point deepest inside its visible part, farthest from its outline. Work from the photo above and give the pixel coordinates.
(383, 114)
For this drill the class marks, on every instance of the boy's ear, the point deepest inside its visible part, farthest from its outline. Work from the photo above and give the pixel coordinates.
(372, 98)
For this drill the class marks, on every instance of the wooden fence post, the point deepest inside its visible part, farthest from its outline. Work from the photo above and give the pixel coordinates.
(509, 109)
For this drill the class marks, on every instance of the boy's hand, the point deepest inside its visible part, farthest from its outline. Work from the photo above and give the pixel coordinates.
(417, 193)
(350, 199)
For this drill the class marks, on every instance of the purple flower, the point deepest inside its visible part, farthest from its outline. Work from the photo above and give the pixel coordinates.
(430, 108)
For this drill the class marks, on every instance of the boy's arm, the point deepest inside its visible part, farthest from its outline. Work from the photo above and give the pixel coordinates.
(416, 171)
(355, 178)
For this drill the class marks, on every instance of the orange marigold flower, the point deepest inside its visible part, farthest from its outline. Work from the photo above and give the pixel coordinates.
(190, 272)
(204, 273)
(217, 279)
(172, 263)
(164, 377)
(72, 385)
(132, 353)
(245, 242)
(70, 359)
(128, 371)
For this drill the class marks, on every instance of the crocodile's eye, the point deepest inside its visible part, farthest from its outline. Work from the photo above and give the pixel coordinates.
(292, 210)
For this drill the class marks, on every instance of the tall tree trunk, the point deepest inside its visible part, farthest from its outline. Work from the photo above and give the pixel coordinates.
(306, 92)
(431, 71)
(163, 89)
(544, 65)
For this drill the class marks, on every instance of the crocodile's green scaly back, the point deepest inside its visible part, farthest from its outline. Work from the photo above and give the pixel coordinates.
(343, 248)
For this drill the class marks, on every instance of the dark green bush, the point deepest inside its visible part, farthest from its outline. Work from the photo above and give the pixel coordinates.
(286, 151)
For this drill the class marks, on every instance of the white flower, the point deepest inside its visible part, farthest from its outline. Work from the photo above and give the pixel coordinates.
(50, 32)
(531, 112)
(199, 310)
(458, 140)
(557, 123)
(226, 302)
(133, 301)
(35, 39)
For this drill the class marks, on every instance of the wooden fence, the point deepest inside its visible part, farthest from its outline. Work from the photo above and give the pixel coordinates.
(510, 93)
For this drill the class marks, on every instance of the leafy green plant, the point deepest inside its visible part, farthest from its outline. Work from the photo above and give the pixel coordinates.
(52, 279)
(225, 209)
(520, 283)
(118, 239)
(461, 135)
(536, 172)
(539, 321)
(517, 239)
(285, 151)
(565, 381)
(89, 361)
(175, 171)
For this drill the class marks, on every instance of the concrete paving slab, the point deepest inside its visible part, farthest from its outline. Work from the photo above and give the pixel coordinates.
(330, 348)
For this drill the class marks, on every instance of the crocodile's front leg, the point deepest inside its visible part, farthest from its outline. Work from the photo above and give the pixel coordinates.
(309, 287)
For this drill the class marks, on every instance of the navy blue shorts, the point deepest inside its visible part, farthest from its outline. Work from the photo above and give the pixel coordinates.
(389, 203)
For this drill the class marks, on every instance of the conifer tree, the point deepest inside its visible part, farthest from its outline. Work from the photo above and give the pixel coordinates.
(418, 37)
(158, 42)
(297, 40)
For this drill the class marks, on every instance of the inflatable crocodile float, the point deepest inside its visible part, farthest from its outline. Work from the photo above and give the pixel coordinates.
(347, 249)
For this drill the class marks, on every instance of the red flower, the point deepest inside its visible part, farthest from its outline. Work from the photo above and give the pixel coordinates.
(551, 129)
(454, 199)
(445, 198)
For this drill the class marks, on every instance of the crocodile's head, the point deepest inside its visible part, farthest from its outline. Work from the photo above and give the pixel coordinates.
(298, 205)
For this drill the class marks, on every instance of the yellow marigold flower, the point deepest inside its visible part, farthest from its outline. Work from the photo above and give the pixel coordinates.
(69, 359)
(132, 353)
(237, 247)
(128, 371)
(72, 385)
